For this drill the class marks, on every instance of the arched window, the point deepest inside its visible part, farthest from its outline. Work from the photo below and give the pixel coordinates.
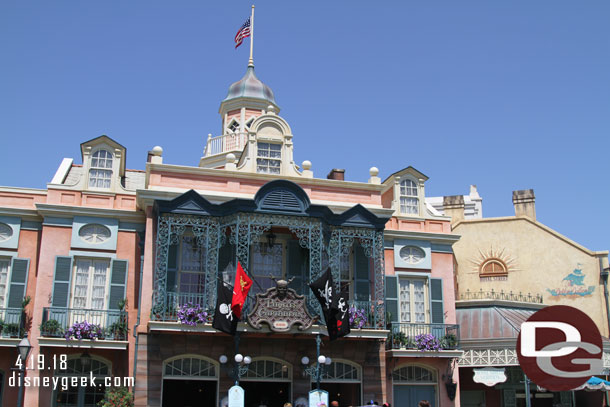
(269, 368)
(493, 267)
(82, 396)
(413, 374)
(190, 367)
(342, 371)
(409, 201)
(94, 233)
(100, 172)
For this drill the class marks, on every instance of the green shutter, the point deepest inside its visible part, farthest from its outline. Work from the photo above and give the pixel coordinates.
(118, 283)
(172, 267)
(391, 297)
(19, 278)
(296, 267)
(361, 275)
(61, 281)
(510, 398)
(436, 300)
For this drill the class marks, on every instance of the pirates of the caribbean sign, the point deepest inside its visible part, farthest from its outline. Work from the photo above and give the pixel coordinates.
(280, 307)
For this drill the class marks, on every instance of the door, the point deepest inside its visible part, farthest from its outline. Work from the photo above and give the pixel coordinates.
(472, 398)
(408, 396)
(189, 393)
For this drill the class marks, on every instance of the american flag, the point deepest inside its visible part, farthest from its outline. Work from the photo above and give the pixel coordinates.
(244, 32)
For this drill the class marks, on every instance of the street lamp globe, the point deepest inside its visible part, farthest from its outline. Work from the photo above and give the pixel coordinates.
(328, 361)
(247, 360)
(305, 360)
(24, 348)
(321, 359)
(239, 358)
(223, 359)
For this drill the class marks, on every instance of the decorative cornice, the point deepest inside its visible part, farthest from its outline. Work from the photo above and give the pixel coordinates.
(50, 210)
(24, 214)
(214, 172)
(19, 190)
(446, 238)
(501, 303)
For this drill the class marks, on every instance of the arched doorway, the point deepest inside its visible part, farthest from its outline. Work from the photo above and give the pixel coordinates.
(413, 383)
(342, 380)
(267, 382)
(82, 396)
(189, 381)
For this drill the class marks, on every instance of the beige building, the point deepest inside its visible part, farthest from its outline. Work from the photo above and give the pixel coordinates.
(506, 269)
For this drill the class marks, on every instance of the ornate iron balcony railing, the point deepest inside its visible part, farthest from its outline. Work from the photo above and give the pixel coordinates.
(11, 323)
(225, 143)
(56, 321)
(501, 295)
(425, 337)
(169, 312)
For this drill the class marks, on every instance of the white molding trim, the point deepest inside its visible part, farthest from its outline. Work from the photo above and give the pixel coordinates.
(243, 327)
(19, 190)
(83, 344)
(446, 238)
(504, 303)
(9, 342)
(489, 357)
(71, 211)
(414, 353)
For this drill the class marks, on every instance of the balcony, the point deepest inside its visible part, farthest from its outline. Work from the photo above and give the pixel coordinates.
(225, 143)
(110, 325)
(11, 323)
(424, 339)
(363, 311)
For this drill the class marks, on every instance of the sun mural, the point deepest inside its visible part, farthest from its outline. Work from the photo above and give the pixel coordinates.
(493, 264)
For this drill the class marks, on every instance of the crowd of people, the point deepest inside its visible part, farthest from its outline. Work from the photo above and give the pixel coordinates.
(335, 403)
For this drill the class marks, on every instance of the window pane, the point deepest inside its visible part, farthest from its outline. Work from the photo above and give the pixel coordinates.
(3, 281)
(266, 262)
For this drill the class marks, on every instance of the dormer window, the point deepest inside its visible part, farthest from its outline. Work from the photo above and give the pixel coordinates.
(269, 158)
(100, 172)
(409, 201)
(234, 126)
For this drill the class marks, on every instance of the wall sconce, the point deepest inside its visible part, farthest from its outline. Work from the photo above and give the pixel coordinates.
(271, 239)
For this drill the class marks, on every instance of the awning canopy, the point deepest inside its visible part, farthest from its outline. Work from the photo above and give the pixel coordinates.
(595, 383)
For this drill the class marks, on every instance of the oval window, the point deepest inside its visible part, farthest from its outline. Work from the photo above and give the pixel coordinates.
(94, 233)
(412, 254)
(5, 232)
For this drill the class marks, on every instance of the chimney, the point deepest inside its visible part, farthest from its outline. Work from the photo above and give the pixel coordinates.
(454, 207)
(524, 202)
(337, 174)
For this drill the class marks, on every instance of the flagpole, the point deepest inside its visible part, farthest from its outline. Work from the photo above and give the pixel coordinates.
(251, 61)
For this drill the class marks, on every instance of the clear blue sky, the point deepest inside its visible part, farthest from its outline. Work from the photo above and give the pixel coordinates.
(506, 95)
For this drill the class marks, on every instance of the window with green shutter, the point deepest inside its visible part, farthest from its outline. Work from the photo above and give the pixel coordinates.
(437, 315)
(18, 282)
(61, 281)
(391, 298)
(297, 266)
(118, 283)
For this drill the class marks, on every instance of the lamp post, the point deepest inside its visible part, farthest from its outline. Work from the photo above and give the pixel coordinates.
(316, 372)
(23, 348)
(242, 364)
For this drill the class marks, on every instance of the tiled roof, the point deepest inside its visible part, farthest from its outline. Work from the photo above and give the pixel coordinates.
(491, 322)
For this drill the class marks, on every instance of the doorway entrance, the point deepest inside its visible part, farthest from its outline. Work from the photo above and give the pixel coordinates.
(342, 380)
(347, 394)
(189, 381)
(188, 393)
(268, 394)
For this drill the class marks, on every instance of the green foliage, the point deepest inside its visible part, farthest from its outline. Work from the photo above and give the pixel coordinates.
(117, 397)
(13, 329)
(449, 341)
(50, 327)
(25, 302)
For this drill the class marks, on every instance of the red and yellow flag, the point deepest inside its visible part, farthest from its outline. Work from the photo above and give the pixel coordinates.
(240, 290)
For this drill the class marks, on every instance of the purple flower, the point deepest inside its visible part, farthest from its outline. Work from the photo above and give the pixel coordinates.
(357, 317)
(83, 330)
(192, 314)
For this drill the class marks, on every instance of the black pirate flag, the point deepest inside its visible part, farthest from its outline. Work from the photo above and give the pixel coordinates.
(224, 320)
(324, 291)
(338, 326)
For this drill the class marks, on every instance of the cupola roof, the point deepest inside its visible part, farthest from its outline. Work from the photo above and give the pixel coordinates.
(250, 87)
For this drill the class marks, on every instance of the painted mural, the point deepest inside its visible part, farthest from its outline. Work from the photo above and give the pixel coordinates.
(573, 286)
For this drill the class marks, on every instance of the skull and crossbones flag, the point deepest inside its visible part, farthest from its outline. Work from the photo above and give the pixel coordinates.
(324, 291)
(224, 320)
(338, 326)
